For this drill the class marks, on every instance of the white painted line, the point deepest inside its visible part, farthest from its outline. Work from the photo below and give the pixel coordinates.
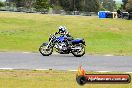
(53, 69)
(26, 52)
(128, 72)
(102, 71)
(55, 53)
(42, 69)
(108, 55)
(73, 70)
(92, 71)
(6, 68)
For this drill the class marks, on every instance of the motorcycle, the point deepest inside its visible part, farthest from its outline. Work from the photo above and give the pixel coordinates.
(63, 45)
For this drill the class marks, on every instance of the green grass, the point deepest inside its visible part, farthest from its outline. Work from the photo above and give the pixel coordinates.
(47, 79)
(26, 32)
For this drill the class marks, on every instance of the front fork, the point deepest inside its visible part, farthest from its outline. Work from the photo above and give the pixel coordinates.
(48, 44)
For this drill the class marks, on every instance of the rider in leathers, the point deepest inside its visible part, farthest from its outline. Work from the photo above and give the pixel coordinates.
(63, 32)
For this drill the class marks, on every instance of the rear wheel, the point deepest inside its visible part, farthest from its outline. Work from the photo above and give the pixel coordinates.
(79, 50)
(45, 51)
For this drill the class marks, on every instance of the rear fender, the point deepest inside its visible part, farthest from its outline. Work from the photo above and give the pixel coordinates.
(83, 42)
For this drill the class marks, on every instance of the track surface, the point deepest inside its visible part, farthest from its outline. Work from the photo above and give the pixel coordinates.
(31, 61)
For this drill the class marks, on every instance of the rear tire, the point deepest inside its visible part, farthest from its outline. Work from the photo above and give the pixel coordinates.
(44, 51)
(78, 53)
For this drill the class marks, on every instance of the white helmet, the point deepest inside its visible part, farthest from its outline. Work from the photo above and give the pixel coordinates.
(62, 29)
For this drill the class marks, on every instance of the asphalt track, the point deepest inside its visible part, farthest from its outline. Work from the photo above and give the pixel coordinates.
(31, 61)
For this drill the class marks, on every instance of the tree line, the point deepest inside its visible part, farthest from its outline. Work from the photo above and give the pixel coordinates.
(68, 5)
(127, 5)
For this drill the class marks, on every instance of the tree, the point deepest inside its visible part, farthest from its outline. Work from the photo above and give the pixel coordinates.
(19, 3)
(42, 5)
(71, 5)
(124, 4)
(80, 5)
(1, 4)
(129, 6)
(55, 5)
(29, 3)
(109, 5)
(91, 5)
(67, 5)
(22, 3)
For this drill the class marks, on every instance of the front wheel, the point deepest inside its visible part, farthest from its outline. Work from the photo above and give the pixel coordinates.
(45, 51)
(79, 50)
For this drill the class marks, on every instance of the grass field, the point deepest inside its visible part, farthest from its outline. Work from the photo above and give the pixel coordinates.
(47, 79)
(26, 32)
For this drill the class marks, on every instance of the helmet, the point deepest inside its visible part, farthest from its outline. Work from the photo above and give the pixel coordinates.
(62, 30)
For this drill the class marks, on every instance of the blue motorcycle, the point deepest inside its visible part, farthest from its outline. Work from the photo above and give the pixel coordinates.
(63, 45)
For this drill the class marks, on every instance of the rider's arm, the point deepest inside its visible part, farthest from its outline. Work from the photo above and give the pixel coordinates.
(56, 33)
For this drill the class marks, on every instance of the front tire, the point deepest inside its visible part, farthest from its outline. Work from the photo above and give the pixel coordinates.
(44, 51)
(78, 52)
